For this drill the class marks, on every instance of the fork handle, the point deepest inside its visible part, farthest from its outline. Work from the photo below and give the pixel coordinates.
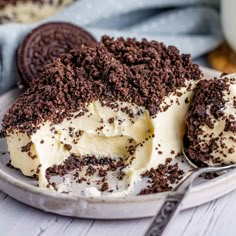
(169, 208)
(171, 205)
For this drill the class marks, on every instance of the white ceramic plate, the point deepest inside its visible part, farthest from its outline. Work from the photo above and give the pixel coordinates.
(23, 189)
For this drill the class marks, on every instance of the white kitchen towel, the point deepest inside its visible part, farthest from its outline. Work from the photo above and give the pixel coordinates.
(191, 25)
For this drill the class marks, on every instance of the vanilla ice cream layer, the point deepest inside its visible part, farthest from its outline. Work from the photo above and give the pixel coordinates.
(103, 131)
(225, 139)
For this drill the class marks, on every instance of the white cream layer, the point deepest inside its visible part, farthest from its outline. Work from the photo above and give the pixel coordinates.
(168, 128)
(225, 140)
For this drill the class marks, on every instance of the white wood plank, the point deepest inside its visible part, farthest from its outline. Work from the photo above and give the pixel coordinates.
(77, 227)
(223, 217)
(181, 222)
(118, 227)
(17, 217)
(212, 219)
(81, 227)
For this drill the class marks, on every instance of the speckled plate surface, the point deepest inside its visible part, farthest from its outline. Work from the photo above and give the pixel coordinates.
(23, 189)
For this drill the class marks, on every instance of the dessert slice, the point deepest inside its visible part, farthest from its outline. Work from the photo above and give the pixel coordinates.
(123, 100)
(211, 123)
(29, 11)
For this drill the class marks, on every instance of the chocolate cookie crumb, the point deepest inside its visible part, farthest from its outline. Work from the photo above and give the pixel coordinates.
(27, 147)
(161, 179)
(143, 73)
(207, 108)
(104, 187)
(68, 147)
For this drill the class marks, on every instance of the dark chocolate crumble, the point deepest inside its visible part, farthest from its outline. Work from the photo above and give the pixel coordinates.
(143, 73)
(162, 178)
(91, 164)
(209, 102)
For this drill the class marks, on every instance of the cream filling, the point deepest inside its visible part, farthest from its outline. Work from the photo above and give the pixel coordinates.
(88, 135)
(30, 12)
(225, 140)
(100, 137)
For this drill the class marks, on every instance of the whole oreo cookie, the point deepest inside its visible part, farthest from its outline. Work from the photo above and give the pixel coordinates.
(45, 43)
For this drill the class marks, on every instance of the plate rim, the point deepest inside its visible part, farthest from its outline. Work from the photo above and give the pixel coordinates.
(9, 183)
(101, 199)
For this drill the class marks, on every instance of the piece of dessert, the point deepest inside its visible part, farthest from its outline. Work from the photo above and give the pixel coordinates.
(121, 103)
(29, 11)
(211, 123)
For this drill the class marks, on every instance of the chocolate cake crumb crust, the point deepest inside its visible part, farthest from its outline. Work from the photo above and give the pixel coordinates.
(162, 178)
(126, 70)
(208, 101)
(93, 166)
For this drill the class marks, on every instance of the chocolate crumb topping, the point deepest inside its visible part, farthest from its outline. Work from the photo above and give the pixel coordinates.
(207, 109)
(102, 173)
(91, 163)
(161, 179)
(104, 187)
(210, 175)
(68, 147)
(143, 73)
(27, 147)
(111, 120)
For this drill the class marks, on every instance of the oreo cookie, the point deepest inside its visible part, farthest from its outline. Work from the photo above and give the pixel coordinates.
(44, 44)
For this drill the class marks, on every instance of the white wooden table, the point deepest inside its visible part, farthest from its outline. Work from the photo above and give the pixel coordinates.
(217, 218)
